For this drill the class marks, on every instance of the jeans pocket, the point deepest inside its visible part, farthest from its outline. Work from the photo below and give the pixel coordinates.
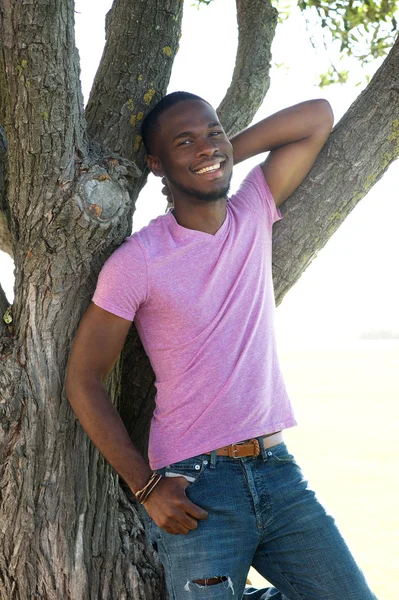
(281, 455)
(191, 469)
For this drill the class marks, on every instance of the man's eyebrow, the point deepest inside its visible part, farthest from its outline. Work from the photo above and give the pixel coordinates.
(185, 134)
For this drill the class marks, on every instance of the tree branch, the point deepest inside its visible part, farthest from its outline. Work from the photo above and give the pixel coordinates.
(6, 342)
(4, 304)
(257, 21)
(42, 102)
(358, 152)
(142, 41)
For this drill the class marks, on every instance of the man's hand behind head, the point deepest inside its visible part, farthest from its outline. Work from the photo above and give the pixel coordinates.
(167, 192)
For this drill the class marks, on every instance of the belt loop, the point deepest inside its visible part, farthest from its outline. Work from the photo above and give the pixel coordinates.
(262, 448)
(214, 458)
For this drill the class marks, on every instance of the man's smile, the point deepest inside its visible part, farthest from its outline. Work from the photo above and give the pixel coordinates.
(214, 168)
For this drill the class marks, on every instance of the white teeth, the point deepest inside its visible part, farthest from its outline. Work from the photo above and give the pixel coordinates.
(206, 169)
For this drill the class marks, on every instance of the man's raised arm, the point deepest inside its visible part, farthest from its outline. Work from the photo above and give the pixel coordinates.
(294, 136)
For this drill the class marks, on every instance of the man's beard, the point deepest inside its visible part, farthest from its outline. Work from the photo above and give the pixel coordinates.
(211, 196)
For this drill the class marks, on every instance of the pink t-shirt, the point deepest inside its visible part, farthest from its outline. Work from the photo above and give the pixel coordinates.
(204, 308)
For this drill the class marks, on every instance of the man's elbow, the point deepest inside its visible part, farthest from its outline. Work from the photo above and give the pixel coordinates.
(78, 381)
(325, 115)
(72, 382)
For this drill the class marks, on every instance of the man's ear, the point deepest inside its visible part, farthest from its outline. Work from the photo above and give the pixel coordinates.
(155, 165)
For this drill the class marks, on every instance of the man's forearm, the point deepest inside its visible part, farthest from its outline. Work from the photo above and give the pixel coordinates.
(102, 423)
(167, 503)
(284, 127)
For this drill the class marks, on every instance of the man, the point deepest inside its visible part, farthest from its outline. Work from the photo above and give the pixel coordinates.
(222, 491)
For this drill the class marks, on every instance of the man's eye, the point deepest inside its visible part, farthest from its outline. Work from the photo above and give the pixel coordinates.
(213, 133)
(184, 143)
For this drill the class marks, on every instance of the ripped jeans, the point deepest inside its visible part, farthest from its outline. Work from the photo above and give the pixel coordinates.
(261, 513)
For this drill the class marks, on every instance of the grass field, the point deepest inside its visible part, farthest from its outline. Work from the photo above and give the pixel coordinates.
(347, 405)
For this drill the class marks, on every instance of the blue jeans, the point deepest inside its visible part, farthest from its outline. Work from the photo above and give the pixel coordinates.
(261, 513)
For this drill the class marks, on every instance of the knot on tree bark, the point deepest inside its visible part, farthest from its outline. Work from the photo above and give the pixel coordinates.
(104, 190)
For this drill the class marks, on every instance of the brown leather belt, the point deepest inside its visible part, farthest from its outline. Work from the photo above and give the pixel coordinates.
(250, 447)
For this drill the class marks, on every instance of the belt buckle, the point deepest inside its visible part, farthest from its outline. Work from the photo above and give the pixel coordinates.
(233, 449)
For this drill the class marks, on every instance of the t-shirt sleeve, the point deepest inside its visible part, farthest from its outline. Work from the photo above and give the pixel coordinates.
(123, 281)
(256, 195)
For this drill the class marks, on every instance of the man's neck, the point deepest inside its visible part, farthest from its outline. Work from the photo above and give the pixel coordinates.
(207, 217)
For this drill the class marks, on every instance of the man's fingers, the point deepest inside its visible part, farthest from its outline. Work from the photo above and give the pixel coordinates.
(188, 522)
(176, 529)
(166, 189)
(181, 529)
(170, 508)
(189, 512)
(194, 510)
(191, 509)
(182, 524)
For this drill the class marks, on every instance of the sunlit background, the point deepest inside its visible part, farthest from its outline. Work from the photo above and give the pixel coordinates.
(338, 328)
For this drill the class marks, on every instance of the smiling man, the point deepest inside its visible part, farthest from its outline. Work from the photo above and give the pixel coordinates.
(222, 491)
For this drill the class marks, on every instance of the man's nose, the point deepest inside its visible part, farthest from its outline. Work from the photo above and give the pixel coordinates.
(207, 147)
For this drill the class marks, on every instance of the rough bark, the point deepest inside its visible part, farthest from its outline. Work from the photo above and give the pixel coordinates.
(5, 235)
(4, 304)
(358, 152)
(142, 39)
(68, 530)
(137, 398)
(257, 21)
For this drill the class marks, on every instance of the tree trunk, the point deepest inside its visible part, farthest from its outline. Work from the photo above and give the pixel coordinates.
(5, 235)
(69, 531)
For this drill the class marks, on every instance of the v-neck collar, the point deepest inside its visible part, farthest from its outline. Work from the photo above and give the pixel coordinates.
(186, 233)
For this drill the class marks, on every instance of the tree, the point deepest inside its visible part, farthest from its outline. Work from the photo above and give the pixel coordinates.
(69, 180)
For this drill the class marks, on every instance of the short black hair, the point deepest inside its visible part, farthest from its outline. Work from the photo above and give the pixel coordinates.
(151, 122)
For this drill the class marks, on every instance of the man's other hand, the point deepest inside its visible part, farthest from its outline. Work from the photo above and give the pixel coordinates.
(169, 507)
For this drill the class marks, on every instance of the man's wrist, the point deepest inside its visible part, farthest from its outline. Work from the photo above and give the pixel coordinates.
(143, 493)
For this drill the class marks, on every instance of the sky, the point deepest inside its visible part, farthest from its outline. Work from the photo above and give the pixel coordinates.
(351, 287)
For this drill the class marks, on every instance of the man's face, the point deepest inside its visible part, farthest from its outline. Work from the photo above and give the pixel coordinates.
(193, 152)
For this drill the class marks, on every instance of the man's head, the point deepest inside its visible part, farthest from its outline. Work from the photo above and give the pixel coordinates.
(186, 143)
